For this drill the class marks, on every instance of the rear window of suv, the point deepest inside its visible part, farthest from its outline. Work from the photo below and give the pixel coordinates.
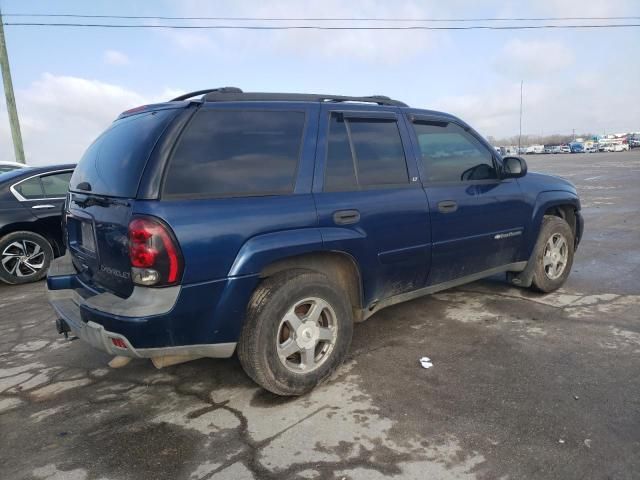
(114, 162)
(227, 153)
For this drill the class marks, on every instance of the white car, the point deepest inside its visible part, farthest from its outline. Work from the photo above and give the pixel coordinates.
(620, 147)
(538, 148)
(8, 166)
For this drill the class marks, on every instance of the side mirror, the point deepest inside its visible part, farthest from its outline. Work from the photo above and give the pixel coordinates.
(514, 167)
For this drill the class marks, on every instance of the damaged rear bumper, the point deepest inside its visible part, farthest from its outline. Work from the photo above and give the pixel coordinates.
(144, 313)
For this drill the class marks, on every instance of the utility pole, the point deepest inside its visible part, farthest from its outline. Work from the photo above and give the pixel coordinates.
(11, 99)
(520, 135)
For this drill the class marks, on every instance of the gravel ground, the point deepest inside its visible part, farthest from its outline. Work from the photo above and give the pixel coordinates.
(523, 385)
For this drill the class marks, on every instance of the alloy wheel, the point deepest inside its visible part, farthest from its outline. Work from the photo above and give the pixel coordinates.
(555, 257)
(307, 335)
(22, 258)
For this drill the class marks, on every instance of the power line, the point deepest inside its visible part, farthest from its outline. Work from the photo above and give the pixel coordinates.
(318, 27)
(321, 19)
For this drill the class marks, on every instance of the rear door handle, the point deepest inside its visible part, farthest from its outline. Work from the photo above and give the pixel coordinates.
(346, 217)
(42, 207)
(447, 206)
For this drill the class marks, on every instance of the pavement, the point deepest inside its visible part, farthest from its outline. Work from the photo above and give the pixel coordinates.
(523, 385)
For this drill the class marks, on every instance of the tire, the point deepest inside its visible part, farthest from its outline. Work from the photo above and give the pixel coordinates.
(267, 336)
(547, 273)
(16, 267)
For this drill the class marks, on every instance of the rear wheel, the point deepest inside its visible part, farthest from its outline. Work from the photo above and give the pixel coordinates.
(24, 257)
(553, 254)
(297, 332)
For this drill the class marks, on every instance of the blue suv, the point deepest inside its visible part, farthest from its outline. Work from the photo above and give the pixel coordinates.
(267, 224)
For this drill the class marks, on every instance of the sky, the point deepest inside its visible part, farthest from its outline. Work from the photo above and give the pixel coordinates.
(71, 83)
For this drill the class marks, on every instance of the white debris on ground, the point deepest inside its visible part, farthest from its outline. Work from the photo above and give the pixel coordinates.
(426, 362)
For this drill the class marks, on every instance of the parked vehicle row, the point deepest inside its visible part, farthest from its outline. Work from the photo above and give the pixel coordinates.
(573, 148)
(613, 147)
(268, 224)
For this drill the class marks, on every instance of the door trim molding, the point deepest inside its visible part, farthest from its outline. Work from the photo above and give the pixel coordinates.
(405, 297)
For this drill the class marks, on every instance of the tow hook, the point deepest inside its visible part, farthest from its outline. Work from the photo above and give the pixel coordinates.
(63, 328)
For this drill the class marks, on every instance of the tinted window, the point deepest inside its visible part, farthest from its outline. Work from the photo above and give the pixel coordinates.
(30, 189)
(340, 172)
(237, 153)
(379, 153)
(114, 162)
(452, 155)
(56, 185)
(379, 156)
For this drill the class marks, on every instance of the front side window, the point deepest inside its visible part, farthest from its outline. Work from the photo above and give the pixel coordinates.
(30, 189)
(56, 185)
(237, 153)
(364, 152)
(450, 154)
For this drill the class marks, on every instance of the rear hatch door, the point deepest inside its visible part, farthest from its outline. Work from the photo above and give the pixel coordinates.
(102, 194)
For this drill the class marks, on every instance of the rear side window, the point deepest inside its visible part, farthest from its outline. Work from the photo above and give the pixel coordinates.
(237, 153)
(30, 189)
(114, 162)
(450, 154)
(56, 185)
(364, 152)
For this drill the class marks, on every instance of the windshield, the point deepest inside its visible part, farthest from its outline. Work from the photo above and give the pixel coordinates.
(114, 162)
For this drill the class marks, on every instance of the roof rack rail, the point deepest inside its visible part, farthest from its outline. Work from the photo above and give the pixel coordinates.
(237, 95)
(197, 93)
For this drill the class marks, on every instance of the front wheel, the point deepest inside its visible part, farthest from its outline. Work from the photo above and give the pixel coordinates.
(24, 257)
(297, 332)
(553, 254)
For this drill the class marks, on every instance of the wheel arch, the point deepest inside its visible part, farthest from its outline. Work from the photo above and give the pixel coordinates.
(41, 228)
(338, 266)
(565, 211)
(557, 203)
(271, 253)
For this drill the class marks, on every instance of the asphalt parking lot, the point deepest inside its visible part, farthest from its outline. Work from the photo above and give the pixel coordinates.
(523, 385)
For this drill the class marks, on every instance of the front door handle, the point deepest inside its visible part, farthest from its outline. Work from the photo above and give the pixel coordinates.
(346, 217)
(42, 207)
(447, 206)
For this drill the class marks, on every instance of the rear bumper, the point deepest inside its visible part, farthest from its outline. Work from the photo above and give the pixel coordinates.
(98, 337)
(182, 320)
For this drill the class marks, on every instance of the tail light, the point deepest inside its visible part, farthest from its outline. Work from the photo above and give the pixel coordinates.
(154, 253)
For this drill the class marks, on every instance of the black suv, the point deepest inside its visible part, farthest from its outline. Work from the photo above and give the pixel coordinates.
(31, 201)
